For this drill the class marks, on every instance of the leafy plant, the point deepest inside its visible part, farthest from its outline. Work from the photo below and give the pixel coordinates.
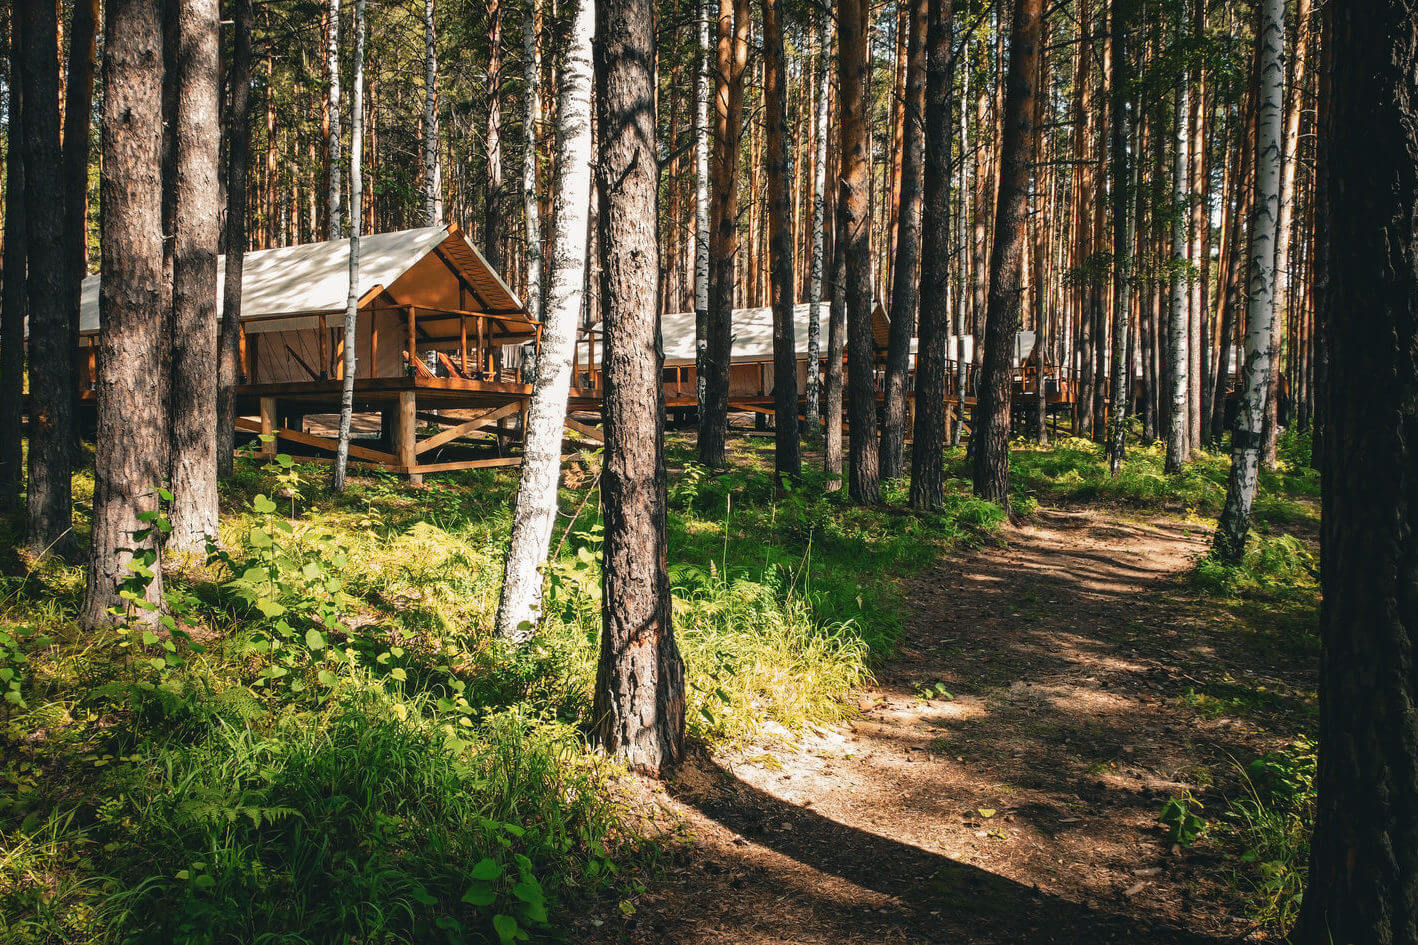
(1184, 825)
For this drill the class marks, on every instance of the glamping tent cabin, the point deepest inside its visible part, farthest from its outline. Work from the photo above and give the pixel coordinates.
(433, 321)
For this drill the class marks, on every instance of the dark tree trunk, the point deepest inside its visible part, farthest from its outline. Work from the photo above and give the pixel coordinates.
(731, 59)
(787, 454)
(78, 119)
(905, 287)
(134, 303)
(927, 476)
(238, 157)
(1017, 147)
(1363, 882)
(639, 704)
(855, 202)
(192, 412)
(12, 320)
(52, 341)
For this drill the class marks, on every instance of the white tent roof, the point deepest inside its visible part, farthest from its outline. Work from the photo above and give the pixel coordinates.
(313, 278)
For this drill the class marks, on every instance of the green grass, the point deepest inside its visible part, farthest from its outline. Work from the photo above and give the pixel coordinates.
(331, 745)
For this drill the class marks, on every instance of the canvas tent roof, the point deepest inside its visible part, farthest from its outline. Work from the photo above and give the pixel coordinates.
(313, 278)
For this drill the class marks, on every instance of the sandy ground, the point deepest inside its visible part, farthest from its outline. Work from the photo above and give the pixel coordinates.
(1019, 806)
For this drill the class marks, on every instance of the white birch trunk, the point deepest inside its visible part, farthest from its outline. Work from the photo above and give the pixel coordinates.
(519, 608)
(1177, 321)
(531, 210)
(1247, 438)
(819, 221)
(701, 198)
(332, 112)
(342, 448)
(432, 164)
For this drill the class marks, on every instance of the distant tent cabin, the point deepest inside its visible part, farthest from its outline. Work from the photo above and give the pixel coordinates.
(750, 359)
(438, 345)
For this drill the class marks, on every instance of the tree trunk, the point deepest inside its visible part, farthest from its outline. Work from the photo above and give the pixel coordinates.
(787, 455)
(1122, 235)
(701, 201)
(77, 144)
(432, 162)
(1247, 438)
(905, 288)
(927, 475)
(238, 158)
(130, 456)
(12, 328)
(1363, 877)
(333, 219)
(819, 233)
(728, 119)
(855, 235)
(519, 607)
(1018, 146)
(1178, 360)
(836, 343)
(342, 446)
(639, 704)
(531, 207)
(51, 345)
(192, 469)
(492, 204)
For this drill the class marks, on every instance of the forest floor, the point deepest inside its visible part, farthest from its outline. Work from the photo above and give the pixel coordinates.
(1003, 779)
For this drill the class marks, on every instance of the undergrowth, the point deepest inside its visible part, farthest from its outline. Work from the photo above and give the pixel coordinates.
(325, 742)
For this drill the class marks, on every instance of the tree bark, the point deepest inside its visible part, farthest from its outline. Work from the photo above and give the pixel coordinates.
(639, 704)
(855, 217)
(1178, 361)
(238, 160)
(701, 201)
(905, 289)
(519, 607)
(342, 445)
(787, 453)
(531, 207)
(836, 345)
(927, 474)
(432, 161)
(1363, 876)
(1018, 145)
(77, 144)
(12, 327)
(192, 469)
(1247, 438)
(130, 456)
(333, 218)
(51, 342)
(733, 30)
(492, 204)
(1119, 76)
(813, 417)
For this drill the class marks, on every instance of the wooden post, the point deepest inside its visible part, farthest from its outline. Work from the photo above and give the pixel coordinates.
(373, 370)
(463, 343)
(241, 353)
(405, 426)
(268, 428)
(324, 348)
(413, 337)
(482, 360)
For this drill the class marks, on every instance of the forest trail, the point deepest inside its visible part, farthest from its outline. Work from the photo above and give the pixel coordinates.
(1020, 809)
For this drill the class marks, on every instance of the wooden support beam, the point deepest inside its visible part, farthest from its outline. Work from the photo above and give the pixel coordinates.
(586, 430)
(268, 427)
(328, 443)
(406, 430)
(468, 426)
(413, 334)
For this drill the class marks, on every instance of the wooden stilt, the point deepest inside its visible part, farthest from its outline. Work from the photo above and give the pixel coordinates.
(405, 427)
(268, 428)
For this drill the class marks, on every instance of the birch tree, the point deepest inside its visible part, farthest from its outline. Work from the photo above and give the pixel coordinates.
(701, 201)
(1122, 234)
(492, 140)
(342, 446)
(1178, 335)
(534, 513)
(432, 162)
(1247, 438)
(130, 455)
(812, 411)
(334, 223)
(531, 208)
(192, 468)
(639, 701)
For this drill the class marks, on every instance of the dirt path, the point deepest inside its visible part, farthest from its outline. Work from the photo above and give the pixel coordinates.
(1022, 808)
